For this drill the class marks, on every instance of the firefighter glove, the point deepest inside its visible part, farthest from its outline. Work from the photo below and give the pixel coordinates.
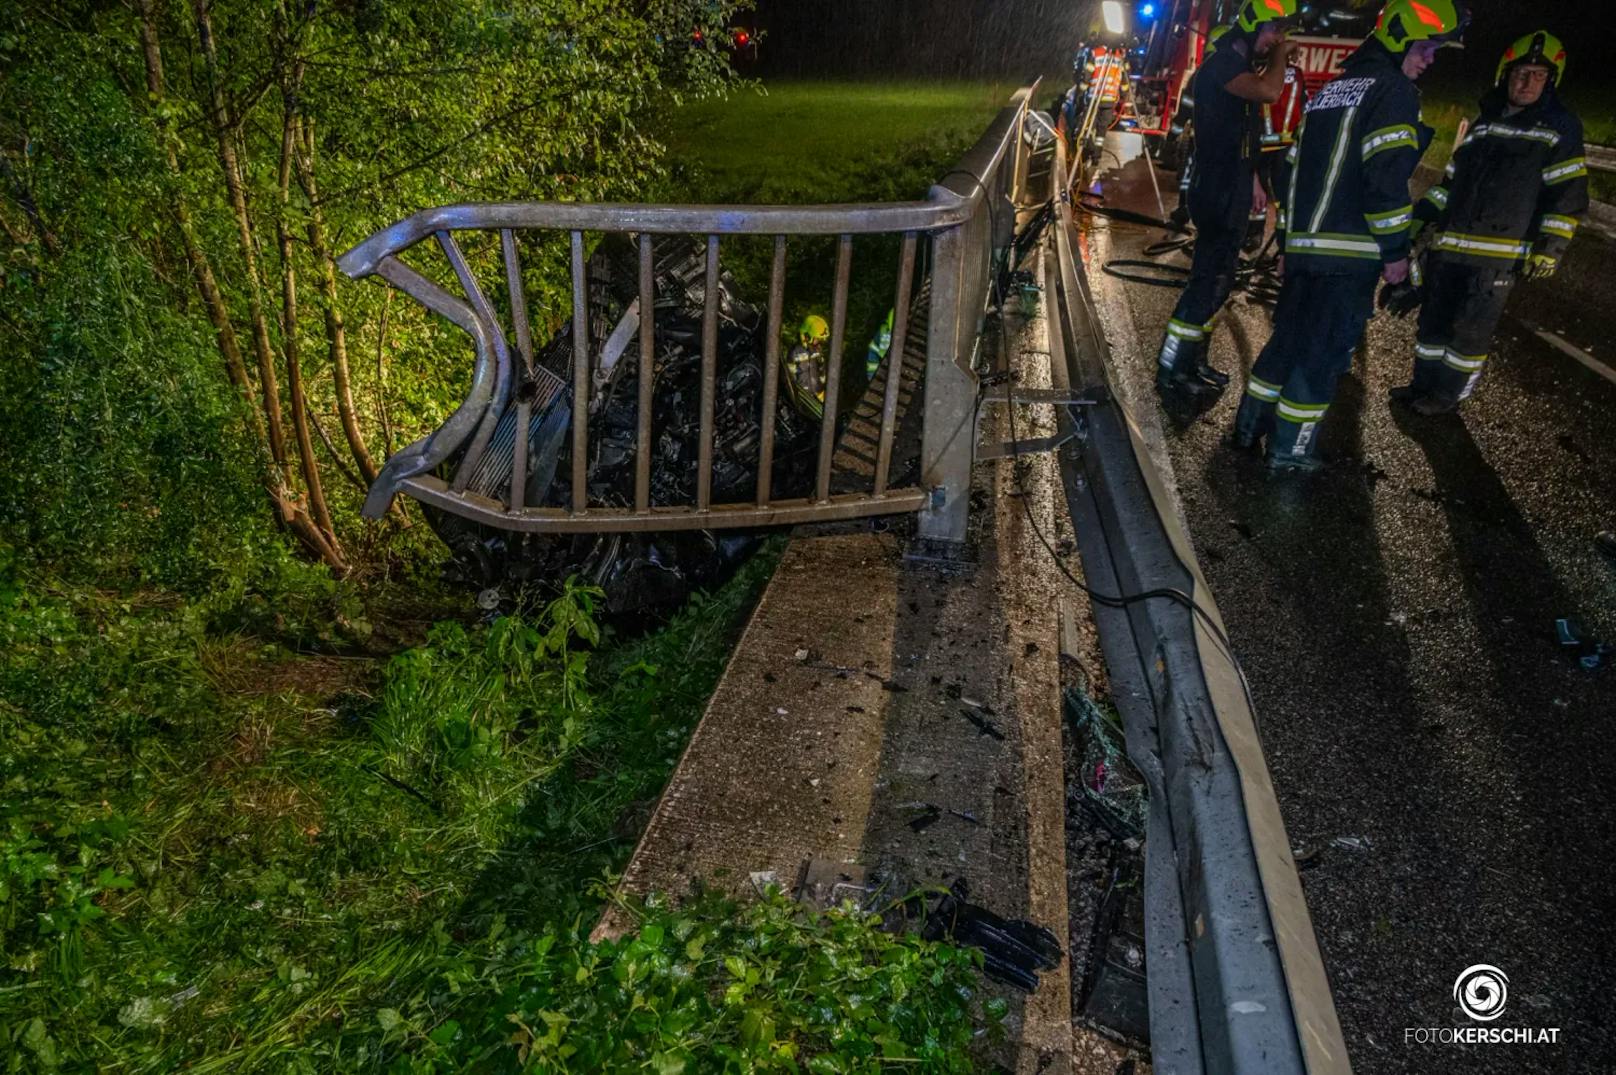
(1400, 300)
(1540, 267)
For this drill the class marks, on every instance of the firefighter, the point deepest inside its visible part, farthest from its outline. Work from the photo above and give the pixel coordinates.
(1182, 122)
(1223, 188)
(880, 344)
(805, 366)
(1507, 207)
(1347, 217)
(1105, 83)
(1068, 117)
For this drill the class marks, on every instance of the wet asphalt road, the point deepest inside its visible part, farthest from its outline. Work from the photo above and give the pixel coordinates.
(1396, 617)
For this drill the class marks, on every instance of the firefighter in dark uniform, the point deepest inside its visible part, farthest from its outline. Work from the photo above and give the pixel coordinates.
(1223, 188)
(1184, 129)
(1506, 208)
(1347, 219)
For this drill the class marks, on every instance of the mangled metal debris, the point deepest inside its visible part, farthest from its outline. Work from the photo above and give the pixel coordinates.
(642, 574)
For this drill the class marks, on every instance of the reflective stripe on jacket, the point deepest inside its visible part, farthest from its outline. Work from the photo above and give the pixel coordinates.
(1281, 119)
(1109, 77)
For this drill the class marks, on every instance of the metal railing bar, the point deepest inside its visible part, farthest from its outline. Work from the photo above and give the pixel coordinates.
(502, 361)
(524, 348)
(771, 371)
(524, 417)
(580, 378)
(943, 209)
(642, 438)
(900, 329)
(482, 509)
(431, 295)
(513, 282)
(709, 377)
(833, 365)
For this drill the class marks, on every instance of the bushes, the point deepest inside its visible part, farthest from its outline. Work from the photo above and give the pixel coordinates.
(172, 172)
(769, 986)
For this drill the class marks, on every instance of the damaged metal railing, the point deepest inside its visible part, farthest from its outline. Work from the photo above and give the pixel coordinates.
(967, 220)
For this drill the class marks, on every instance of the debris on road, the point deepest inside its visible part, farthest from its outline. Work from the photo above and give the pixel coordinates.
(1111, 789)
(1013, 950)
(983, 725)
(1114, 995)
(1591, 653)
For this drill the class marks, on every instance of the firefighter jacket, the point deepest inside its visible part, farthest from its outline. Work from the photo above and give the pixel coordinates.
(1516, 186)
(1347, 205)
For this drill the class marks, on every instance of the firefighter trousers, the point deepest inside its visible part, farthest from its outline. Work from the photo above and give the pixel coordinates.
(1219, 212)
(1463, 302)
(1317, 325)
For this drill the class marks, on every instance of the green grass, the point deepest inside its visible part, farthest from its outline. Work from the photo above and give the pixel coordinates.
(804, 143)
(801, 143)
(225, 853)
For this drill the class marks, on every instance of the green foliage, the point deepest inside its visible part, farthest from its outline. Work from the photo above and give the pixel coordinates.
(768, 986)
(225, 856)
(807, 142)
(126, 451)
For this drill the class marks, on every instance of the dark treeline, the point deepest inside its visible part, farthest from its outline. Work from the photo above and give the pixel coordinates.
(925, 38)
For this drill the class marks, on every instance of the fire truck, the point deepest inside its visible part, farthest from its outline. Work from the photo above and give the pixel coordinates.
(1177, 41)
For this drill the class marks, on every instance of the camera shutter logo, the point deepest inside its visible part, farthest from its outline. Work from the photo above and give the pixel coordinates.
(1482, 991)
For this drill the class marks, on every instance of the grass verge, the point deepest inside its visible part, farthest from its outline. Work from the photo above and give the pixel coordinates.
(225, 852)
(804, 143)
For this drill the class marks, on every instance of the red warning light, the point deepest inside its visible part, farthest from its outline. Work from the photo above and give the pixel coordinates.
(695, 35)
(742, 38)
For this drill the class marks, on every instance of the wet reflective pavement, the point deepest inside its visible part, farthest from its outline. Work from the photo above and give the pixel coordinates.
(1444, 765)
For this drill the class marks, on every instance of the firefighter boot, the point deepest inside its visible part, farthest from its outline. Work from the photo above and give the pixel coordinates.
(1427, 376)
(1293, 445)
(1178, 366)
(1210, 373)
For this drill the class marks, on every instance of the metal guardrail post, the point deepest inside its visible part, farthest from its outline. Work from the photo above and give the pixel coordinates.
(948, 440)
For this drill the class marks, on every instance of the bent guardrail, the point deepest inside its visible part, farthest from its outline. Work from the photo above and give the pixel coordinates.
(967, 219)
(1236, 980)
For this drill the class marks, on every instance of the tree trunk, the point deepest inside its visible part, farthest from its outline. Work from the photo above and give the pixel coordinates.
(278, 480)
(381, 372)
(230, 165)
(289, 343)
(335, 336)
